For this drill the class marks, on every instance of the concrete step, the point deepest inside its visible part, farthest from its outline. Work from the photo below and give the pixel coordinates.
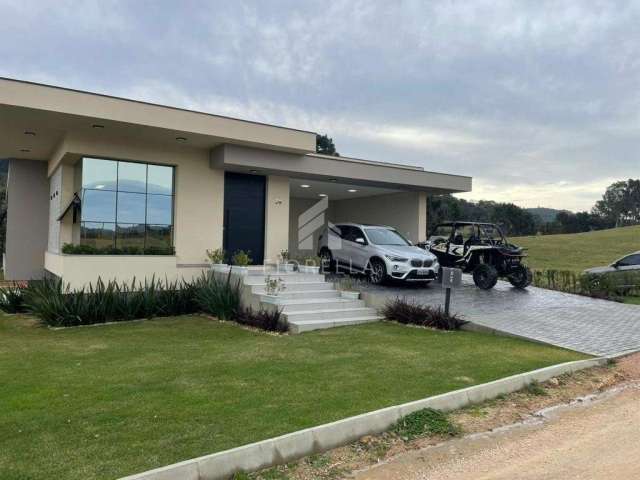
(296, 287)
(286, 278)
(317, 304)
(308, 294)
(310, 325)
(329, 314)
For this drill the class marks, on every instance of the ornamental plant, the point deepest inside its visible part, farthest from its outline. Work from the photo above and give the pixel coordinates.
(216, 256)
(241, 258)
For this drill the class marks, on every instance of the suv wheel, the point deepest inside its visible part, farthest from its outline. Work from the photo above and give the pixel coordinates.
(521, 277)
(485, 276)
(326, 261)
(377, 271)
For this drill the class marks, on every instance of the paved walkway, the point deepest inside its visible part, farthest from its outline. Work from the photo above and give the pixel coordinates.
(595, 327)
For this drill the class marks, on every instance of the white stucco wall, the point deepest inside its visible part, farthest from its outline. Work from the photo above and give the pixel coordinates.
(404, 211)
(276, 229)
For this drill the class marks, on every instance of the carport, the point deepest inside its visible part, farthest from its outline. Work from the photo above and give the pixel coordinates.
(316, 201)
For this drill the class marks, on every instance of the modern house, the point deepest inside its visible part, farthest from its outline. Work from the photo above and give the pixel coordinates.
(132, 177)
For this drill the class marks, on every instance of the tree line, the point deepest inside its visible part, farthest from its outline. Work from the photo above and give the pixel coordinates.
(619, 206)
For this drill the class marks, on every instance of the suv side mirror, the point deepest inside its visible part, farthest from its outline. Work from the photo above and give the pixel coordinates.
(361, 241)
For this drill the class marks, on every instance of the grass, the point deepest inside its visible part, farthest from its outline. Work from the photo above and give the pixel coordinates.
(425, 422)
(578, 251)
(111, 400)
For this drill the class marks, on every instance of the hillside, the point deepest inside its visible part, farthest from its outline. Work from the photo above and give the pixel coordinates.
(578, 251)
(545, 214)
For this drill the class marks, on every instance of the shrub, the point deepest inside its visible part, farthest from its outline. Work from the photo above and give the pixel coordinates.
(218, 297)
(12, 299)
(270, 320)
(58, 306)
(414, 313)
(71, 249)
(611, 285)
(425, 422)
(241, 258)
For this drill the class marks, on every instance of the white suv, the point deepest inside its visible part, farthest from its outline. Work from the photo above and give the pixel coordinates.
(378, 251)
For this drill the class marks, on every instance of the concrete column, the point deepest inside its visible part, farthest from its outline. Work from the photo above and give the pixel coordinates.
(422, 217)
(27, 219)
(276, 230)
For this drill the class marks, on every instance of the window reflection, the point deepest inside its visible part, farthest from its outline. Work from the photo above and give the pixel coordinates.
(131, 207)
(132, 177)
(98, 206)
(126, 205)
(99, 174)
(97, 234)
(159, 209)
(160, 180)
(130, 236)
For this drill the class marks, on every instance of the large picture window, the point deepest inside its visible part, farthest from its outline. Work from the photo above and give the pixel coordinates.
(126, 205)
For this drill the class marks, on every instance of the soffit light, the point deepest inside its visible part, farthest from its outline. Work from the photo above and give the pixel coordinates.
(333, 180)
(30, 132)
(352, 190)
(181, 139)
(97, 126)
(304, 186)
(253, 171)
(322, 194)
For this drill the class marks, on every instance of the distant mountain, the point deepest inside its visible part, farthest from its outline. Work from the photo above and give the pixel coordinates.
(545, 214)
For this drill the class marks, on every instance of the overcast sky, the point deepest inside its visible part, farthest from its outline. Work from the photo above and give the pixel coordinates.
(538, 101)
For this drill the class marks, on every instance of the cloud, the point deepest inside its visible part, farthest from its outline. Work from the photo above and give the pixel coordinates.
(538, 101)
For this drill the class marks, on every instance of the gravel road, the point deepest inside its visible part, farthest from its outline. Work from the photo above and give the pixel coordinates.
(587, 441)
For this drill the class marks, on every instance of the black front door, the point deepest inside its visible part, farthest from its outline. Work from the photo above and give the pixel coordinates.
(244, 197)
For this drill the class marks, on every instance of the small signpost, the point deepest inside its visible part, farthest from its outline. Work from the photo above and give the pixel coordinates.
(451, 278)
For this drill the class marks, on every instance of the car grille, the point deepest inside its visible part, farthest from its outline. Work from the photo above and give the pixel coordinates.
(416, 262)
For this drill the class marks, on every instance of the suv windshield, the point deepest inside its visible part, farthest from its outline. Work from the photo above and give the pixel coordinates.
(384, 236)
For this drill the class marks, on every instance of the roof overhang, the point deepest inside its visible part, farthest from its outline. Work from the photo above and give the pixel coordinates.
(51, 113)
(342, 169)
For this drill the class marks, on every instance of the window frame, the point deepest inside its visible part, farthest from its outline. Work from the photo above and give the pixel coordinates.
(146, 195)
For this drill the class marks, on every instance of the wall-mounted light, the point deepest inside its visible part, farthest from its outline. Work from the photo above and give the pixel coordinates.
(322, 194)
(181, 139)
(333, 180)
(25, 150)
(97, 126)
(30, 132)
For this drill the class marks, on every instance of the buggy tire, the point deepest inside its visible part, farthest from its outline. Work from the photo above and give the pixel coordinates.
(521, 277)
(485, 276)
(377, 271)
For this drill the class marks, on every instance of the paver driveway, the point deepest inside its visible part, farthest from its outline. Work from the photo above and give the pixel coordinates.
(595, 327)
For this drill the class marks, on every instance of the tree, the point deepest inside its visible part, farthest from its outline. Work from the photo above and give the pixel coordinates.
(324, 145)
(513, 219)
(620, 203)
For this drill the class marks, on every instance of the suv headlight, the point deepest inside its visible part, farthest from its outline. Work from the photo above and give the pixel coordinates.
(393, 258)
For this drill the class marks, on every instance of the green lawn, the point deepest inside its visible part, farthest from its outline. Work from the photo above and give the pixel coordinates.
(578, 251)
(107, 401)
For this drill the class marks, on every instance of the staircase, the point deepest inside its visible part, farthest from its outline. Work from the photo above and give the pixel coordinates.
(308, 302)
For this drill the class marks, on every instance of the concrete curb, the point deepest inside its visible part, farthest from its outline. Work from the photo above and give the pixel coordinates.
(292, 446)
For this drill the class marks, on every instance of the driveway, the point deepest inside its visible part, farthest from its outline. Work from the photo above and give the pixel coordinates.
(587, 325)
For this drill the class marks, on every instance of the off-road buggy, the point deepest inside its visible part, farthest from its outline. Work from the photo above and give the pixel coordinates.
(480, 249)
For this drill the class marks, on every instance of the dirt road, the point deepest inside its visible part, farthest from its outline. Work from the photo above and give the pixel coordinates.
(597, 439)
